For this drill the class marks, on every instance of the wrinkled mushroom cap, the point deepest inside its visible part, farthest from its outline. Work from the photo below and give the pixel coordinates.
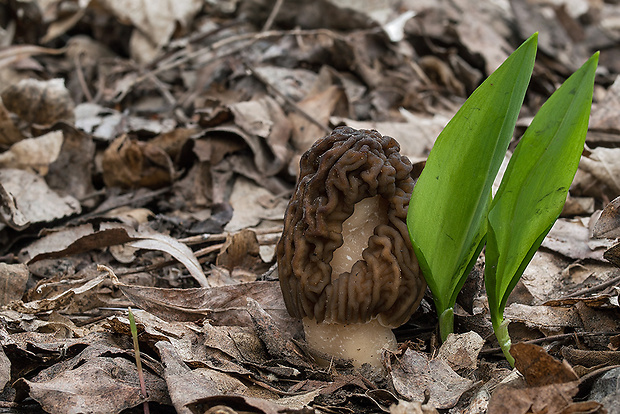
(337, 172)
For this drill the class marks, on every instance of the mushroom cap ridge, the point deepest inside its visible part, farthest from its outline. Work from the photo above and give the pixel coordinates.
(338, 171)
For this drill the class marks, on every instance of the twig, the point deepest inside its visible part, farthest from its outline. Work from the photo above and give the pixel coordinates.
(288, 100)
(595, 288)
(552, 338)
(81, 80)
(272, 15)
(208, 237)
(250, 38)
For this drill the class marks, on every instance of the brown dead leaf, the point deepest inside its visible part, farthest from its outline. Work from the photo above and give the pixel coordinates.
(320, 106)
(413, 375)
(613, 254)
(548, 399)
(156, 22)
(278, 345)
(608, 223)
(552, 318)
(598, 174)
(223, 305)
(33, 153)
(571, 238)
(40, 102)
(74, 240)
(13, 279)
(267, 131)
(539, 368)
(603, 117)
(241, 251)
(461, 351)
(9, 133)
(56, 302)
(71, 172)
(95, 382)
(129, 163)
(184, 385)
(26, 199)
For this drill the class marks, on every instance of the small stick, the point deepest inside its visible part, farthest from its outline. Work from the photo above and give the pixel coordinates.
(594, 288)
(272, 15)
(552, 338)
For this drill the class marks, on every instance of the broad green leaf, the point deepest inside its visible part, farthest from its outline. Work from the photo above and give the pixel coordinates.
(448, 208)
(534, 187)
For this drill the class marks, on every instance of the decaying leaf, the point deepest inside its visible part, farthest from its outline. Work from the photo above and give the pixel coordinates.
(40, 102)
(413, 375)
(26, 199)
(539, 368)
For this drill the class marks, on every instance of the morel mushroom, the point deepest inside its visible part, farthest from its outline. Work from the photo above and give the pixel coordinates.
(345, 260)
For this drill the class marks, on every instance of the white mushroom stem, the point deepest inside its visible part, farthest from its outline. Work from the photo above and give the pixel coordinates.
(359, 342)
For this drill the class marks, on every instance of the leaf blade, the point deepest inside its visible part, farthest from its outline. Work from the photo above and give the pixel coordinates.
(460, 171)
(534, 187)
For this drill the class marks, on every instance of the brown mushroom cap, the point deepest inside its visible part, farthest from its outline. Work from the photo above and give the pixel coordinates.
(338, 171)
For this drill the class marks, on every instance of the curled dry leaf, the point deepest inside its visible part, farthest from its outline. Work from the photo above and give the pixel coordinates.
(39, 102)
(83, 239)
(9, 134)
(223, 305)
(413, 375)
(35, 153)
(608, 224)
(82, 384)
(129, 163)
(539, 368)
(155, 22)
(26, 199)
(13, 279)
(56, 302)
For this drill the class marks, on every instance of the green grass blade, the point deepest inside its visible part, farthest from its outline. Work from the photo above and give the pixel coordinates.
(448, 208)
(534, 187)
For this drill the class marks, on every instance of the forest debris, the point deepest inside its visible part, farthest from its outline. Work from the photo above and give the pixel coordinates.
(13, 279)
(591, 358)
(33, 153)
(608, 223)
(461, 351)
(27, 199)
(413, 374)
(598, 174)
(80, 383)
(185, 385)
(571, 238)
(56, 302)
(224, 305)
(129, 163)
(548, 399)
(545, 317)
(156, 23)
(72, 169)
(40, 102)
(539, 368)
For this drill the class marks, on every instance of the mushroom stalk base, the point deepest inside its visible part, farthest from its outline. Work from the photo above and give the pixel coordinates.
(359, 342)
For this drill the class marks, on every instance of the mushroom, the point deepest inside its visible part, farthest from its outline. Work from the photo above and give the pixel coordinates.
(345, 260)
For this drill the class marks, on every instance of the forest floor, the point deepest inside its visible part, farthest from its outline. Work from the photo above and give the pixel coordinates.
(150, 149)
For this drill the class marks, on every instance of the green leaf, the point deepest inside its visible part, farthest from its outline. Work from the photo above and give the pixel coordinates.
(448, 208)
(533, 190)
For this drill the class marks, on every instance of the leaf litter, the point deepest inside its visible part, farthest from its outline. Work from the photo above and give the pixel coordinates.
(149, 152)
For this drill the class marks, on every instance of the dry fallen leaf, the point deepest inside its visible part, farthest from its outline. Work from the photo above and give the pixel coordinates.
(539, 368)
(413, 375)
